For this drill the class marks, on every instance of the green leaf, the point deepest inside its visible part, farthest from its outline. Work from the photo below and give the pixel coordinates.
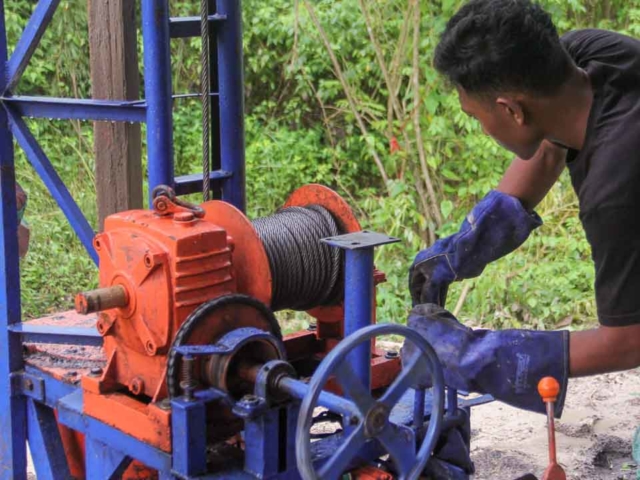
(446, 207)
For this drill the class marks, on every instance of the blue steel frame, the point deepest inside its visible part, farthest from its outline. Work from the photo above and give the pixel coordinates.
(26, 409)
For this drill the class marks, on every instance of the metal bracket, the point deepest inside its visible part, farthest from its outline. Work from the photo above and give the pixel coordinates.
(27, 385)
(359, 240)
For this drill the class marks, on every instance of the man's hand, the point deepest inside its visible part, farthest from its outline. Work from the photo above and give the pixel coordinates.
(507, 364)
(495, 227)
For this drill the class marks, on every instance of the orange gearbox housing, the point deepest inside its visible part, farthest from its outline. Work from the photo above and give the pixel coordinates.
(168, 266)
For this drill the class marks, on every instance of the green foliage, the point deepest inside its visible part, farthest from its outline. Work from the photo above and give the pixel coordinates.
(302, 127)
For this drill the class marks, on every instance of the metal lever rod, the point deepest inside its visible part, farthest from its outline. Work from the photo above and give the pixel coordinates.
(548, 388)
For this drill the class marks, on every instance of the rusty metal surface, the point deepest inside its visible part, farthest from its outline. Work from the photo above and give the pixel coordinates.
(65, 362)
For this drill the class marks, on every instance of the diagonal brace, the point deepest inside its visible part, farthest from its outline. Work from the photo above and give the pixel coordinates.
(52, 180)
(29, 40)
(49, 458)
(104, 461)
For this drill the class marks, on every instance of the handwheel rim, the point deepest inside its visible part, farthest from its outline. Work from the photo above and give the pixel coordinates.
(326, 369)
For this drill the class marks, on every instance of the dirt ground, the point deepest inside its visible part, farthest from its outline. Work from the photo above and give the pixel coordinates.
(594, 436)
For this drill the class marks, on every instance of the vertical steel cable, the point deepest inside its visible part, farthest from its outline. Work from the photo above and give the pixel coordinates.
(205, 97)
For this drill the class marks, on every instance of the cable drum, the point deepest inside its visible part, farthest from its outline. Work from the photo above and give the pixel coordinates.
(305, 272)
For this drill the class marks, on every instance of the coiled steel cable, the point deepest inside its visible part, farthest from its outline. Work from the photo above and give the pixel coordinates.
(305, 272)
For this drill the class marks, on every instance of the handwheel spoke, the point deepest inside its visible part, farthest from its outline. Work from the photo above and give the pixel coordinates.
(340, 460)
(353, 388)
(400, 446)
(402, 383)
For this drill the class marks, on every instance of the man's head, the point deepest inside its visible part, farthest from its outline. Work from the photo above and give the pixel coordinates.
(500, 54)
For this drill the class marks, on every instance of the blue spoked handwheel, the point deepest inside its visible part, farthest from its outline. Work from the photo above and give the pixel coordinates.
(372, 418)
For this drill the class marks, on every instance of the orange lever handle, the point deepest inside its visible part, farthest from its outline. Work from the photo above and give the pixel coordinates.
(548, 388)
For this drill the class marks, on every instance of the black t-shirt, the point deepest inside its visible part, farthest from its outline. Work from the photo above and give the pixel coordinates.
(606, 172)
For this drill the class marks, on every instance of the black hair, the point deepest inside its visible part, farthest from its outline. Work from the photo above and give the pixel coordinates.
(492, 46)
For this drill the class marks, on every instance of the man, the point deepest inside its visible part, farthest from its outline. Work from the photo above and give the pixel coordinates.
(553, 102)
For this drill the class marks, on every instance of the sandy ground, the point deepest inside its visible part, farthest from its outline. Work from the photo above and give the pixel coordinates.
(594, 436)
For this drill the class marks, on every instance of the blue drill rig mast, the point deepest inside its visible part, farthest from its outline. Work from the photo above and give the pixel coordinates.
(191, 376)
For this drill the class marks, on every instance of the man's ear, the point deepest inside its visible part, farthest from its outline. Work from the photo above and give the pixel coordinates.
(512, 109)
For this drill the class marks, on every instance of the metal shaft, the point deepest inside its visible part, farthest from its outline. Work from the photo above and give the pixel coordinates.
(552, 432)
(334, 403)
(101, 299)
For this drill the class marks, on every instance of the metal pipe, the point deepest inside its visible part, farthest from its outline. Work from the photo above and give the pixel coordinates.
(452, 400)
(231, 98)
(13, 421)
(358, 306)
(334, 403)
(101, 299)
(418, 408)
(157, 86)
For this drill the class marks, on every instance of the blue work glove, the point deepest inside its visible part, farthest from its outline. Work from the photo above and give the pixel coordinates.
(496, 226)
(507, 364)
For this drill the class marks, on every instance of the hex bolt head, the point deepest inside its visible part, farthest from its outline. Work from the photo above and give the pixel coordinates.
(95, 371)
(391, 354)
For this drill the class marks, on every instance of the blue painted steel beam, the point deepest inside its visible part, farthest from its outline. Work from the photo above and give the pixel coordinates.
(53, 389)
(262, 444)
(35, 28)
(157, 86)
(184, 27)
(57, 335)
(189, 437)
(49, 458)
(77, 109)
(104, 462)
(70, 414)
(13, 419)
(54, 183)
(358, 308)
(187, 184)
(231, 97)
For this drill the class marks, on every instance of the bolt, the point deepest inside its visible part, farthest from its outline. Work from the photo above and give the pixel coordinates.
(95, 371)
(137, 386)
(312, 327)
(188, 383)
(160, 205)
(391, 354)
(164, 404)
(250, 400)
(183, 217)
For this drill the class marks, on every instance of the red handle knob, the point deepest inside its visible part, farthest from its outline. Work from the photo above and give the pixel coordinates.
(548, 388)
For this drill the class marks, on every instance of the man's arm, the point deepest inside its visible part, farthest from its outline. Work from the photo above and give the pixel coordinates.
(530, 180)
(604, 349)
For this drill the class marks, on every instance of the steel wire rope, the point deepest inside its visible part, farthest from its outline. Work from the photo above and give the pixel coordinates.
(205, 97)
(305, 272)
